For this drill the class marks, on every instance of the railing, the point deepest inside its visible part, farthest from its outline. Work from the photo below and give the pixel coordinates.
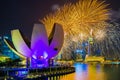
(33, 73)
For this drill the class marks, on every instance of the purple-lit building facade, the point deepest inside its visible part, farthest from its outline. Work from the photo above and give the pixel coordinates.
(41, 48)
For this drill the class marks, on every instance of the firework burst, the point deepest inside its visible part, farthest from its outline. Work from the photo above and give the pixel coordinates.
(109, 45)
(78, 19)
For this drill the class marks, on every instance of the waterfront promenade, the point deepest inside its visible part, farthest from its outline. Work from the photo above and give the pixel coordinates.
(34, 73)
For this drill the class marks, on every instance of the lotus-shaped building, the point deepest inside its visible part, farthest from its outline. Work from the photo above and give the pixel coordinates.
(41, 48)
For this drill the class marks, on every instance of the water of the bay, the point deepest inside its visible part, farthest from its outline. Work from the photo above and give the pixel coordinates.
(93, 71)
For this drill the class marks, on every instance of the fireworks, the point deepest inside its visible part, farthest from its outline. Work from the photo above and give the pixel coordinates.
(78, 19)
(110, 44)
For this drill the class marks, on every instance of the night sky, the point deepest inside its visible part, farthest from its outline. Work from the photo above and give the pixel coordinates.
(22, 14)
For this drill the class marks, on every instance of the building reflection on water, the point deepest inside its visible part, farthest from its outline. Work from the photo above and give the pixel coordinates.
(92, 72)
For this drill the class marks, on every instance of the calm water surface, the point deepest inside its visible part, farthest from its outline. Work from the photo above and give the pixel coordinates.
(94, 72)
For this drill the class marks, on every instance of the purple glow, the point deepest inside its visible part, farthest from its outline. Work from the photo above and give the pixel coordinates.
(41, 49)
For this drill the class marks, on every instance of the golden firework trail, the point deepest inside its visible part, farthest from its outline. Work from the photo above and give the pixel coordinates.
(78, 20)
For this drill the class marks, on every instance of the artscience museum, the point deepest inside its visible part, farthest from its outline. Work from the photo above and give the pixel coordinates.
(41, 48)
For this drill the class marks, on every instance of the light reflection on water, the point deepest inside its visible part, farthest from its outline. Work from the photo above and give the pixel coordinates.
(94, 72)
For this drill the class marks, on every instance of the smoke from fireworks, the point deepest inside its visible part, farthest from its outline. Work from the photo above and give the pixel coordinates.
(110, 44)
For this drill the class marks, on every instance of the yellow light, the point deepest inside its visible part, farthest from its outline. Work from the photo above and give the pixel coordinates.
(79, 18)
